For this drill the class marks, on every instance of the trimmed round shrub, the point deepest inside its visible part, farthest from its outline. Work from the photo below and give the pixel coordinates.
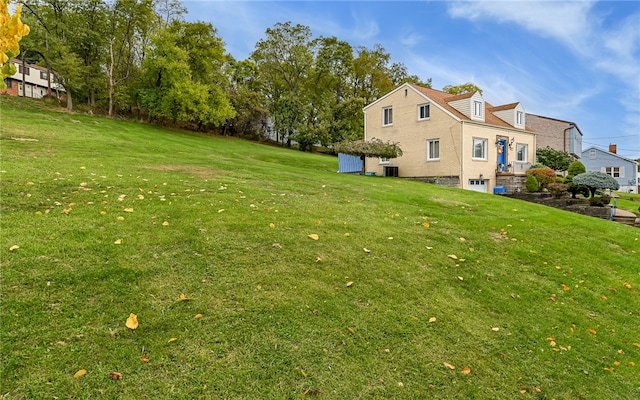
(532, 184)
(576, 168)
(544, 175)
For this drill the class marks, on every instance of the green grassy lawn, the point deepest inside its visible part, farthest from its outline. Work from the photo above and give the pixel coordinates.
(629, 202)
(103, 218)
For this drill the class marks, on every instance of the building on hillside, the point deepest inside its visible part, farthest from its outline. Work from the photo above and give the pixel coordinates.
(455, 140)
(623, 169)
(31, 80)
(556, 133)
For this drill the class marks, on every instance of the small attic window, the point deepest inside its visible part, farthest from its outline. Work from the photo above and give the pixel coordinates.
(519, 118)
(406, 92)
(477, 109)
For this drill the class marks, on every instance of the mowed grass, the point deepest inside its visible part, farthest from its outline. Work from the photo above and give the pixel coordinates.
(405, 280)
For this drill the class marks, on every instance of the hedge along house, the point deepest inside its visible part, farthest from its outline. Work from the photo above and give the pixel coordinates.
(460, 141)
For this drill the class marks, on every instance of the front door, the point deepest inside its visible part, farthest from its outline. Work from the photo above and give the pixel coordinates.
(502, 155)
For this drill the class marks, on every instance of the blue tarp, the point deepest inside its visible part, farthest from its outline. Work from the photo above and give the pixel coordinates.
(349, 164)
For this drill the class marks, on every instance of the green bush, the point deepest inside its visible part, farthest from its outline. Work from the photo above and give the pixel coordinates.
(576, 168)
(532, 184)
(557, 190)
(599, 201)
(576, 189)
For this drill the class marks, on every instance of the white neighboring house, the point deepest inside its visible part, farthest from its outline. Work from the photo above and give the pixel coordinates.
(36, 81)
(623, 169)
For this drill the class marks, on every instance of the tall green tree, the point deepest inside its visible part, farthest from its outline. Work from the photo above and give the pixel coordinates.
(175, 86)
(461, 89)
(554, 159)
(284, 60)
(130, 22)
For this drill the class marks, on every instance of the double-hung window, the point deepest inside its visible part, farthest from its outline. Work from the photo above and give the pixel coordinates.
(433, 149)
(519, 118)
(424, 111)
(479, 149)
(521, 152)
(387, 116)
(614, 172)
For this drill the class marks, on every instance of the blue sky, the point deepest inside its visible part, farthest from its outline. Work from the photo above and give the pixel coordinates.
(577, 61)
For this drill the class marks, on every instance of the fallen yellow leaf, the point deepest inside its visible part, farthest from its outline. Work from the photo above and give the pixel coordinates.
(366, 250)
(349, 283)
(165, 223)
(173, 339)
(118, 241)
(313, 236)
(14, 247)
(144, 359)
(453, 256)
(425, 224)
(80, 373)
(565, 287)
(466, 370)
(272, 225)
(351, 330)
(495, 329)
(592, 331)
(446, 364)
(182, 297)
(432, 319)
(303, 373)
(129, 210)
(627, 285)
(198, 316)
(132, 321)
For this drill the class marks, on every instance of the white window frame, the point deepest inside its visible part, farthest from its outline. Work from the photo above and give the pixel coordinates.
(421, 107)
(519, 118)
(387, 116)
(592, 154)
(484, 142)
(431, 149)
(477, 108)
(382, 160)
(522, 149)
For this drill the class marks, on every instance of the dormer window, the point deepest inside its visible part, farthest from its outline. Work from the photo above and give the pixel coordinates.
(519, 118)
(477, 109)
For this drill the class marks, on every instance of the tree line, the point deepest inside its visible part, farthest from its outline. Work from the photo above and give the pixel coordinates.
(142, 59)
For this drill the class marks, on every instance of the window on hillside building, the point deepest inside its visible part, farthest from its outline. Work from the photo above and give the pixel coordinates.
(477, 109)
(26, 69)
(479, 149)
(43, 74)
(387, 116)
(433, 149)
(521, 152)
(383, 160)
(8, 82)
(424, 111)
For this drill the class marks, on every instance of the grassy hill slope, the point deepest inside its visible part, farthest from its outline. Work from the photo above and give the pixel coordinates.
(409, 290)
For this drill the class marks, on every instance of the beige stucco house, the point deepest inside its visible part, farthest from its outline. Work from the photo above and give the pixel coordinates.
(461, 141)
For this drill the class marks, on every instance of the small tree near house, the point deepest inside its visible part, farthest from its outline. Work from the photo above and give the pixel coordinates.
(596, 180)
(368, 148)
(544, 176)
